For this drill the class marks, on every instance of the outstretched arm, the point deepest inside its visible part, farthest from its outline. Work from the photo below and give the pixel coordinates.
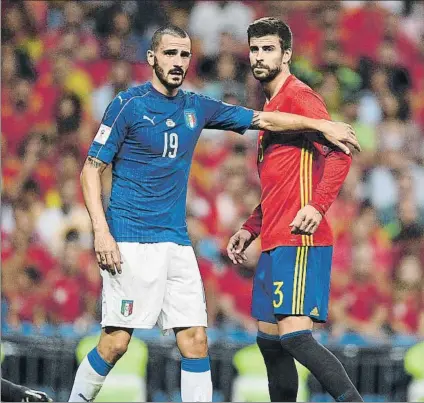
(338, 133)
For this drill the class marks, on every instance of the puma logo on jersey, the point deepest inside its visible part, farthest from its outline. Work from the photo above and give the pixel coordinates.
(120, 99)
(84, 398)
(314, 312)
(151, 120)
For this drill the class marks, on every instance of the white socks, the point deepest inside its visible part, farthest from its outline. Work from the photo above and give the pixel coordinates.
(90, 377)
(196, 382)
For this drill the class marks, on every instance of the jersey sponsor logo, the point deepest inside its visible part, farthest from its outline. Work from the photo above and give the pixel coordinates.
(102, 134)
(190, 119)
(314, 312)
(151, 120)
(170, 123)
(127, 307)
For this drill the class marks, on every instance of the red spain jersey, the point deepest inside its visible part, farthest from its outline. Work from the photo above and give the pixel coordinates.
(296, 169)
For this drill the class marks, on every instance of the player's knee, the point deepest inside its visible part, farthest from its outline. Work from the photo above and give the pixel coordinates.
(119, 347)
(193, 343)
(112, 348)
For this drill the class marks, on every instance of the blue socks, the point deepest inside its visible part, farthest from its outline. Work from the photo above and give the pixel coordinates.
(101, 366)
(195, 364)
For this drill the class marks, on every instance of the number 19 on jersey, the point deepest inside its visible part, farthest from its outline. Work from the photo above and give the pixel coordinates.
(170, 145)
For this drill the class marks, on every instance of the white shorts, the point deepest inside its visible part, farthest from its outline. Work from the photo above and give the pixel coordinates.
(160, 283)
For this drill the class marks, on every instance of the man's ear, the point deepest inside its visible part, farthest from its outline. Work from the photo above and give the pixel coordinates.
(287, 56)
(151, 57)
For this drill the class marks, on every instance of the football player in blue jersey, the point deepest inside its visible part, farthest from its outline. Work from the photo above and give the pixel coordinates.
(150, 274)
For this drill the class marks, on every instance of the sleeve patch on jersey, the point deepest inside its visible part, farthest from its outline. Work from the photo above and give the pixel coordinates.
(102, 134)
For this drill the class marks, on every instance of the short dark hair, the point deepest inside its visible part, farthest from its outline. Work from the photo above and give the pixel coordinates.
(271, 26)
(167, 30)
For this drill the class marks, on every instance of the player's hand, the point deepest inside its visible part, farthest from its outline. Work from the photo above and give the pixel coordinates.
(237, 244)
(341, 135)
(107, 252)
(306, 221)
(36, 396)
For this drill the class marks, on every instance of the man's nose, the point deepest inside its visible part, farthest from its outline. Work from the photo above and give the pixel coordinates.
(178, 61)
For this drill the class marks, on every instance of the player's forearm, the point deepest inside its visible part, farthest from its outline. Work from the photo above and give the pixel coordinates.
(254, 223)
(336, 168)
(281, 121)
(92, 191)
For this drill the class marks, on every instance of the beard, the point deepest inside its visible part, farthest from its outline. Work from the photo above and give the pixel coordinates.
(165, 80)
(267, 75)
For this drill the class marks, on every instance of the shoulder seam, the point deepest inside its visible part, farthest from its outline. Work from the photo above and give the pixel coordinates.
(137, 96)
(111, 127)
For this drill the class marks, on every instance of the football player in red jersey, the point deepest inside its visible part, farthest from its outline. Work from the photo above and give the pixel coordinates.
(300, 176)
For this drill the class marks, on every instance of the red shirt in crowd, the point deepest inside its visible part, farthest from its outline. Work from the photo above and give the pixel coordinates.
(407, 312)
(239, 287)
(363, 299)
(66, 302)
(36, 255)
(295, 171)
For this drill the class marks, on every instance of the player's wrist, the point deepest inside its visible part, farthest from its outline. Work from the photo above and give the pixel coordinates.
(320, 125)
(317, 207)
(249, 231)
(101, 230)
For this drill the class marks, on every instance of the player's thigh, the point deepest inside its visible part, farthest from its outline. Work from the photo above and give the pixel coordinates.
(184, 303)
(317, 282)
(289, 279)
(262, 293)
(134, 298)
(305, 286)
(268, 328)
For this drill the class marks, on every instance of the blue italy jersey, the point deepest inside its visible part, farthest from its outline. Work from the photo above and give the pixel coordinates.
(150, 139)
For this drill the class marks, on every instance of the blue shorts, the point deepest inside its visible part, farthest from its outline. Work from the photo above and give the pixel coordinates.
(291, 280)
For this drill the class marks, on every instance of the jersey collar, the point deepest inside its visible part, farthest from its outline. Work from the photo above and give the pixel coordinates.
(155, 92)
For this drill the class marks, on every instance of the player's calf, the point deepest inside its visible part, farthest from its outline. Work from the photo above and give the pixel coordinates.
(321, 362)
(196, 383)
(98, 363)
(281, 369)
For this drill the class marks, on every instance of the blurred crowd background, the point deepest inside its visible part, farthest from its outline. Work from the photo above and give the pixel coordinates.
(64, 61)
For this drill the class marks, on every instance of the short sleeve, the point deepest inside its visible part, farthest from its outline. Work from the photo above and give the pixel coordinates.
(113, 129)
(223, 116)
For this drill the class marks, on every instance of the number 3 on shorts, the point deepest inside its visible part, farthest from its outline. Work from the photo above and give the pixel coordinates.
(278, 293)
